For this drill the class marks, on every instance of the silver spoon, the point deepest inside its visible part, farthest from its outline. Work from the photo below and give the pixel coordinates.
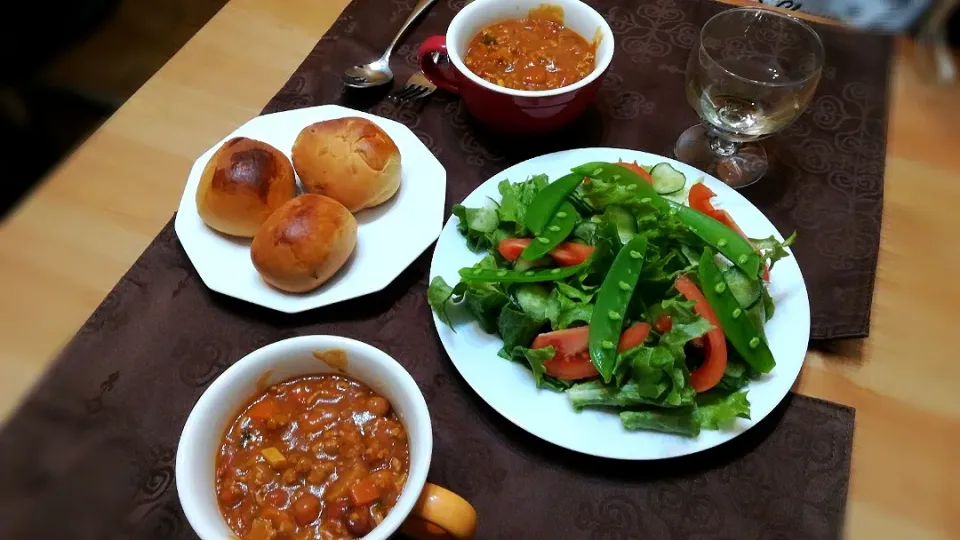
(378, 72)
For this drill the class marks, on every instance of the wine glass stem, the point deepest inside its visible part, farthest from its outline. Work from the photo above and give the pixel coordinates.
(720, 146)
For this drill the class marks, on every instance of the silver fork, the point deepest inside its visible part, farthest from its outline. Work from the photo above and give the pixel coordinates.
(417, 87)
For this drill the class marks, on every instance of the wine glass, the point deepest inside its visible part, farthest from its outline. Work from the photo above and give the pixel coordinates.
(751, 73)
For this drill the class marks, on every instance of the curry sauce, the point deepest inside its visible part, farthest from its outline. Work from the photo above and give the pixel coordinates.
(533, 53)
(314, 457)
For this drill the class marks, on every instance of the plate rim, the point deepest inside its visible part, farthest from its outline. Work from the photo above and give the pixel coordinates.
(732, 434)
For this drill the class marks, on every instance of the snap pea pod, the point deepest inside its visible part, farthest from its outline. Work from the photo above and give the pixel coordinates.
(545, 204)
(520, 276)
(734, 321)
(611, 305)
(610, 172)
(722, 238)
(557, 230)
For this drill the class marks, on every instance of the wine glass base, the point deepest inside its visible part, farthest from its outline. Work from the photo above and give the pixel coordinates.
(740, 169)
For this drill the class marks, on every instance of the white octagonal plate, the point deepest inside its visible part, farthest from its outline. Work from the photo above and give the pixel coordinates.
(389, 237)
(508, 386)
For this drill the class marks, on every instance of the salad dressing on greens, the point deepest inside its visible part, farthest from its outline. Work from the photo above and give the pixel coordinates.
(614, 292)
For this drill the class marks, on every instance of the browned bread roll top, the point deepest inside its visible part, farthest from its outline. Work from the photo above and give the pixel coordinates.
(350, 160)
(304, 243)
(242, 184)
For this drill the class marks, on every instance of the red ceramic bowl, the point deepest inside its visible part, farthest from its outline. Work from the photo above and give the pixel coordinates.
(505, 109)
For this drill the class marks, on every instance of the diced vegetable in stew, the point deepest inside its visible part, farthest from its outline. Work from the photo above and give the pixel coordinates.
(313, 457)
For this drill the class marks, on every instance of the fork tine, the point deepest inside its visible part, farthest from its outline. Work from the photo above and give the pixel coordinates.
(422, 92)
(404, 93)
(409, 92)
(395, 96)
(415, 92)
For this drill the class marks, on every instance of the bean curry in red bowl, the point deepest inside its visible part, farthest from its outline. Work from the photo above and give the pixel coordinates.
(521, 67)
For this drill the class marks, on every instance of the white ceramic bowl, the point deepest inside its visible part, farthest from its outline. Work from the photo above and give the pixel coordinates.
(281, 361)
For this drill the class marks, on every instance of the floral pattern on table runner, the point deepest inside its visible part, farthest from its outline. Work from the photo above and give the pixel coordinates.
(827, 176)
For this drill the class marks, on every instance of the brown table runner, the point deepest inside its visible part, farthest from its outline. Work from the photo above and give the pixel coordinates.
(827, 180)
(90, 455)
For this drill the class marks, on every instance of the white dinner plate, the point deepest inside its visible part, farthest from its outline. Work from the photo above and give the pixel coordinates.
(389, 236)
(509, 388)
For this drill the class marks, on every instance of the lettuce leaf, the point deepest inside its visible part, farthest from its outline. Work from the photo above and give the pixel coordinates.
(516, 328)
(586, 232)
(772, 250)
(736, 375)
(768, 305)
(607, 245)
(713, 411)
(678, 308)
(650, 366)
(485, 302)
(563, 311)
(441, 296)
(680, 421)
(535, 359)
(515, 198)
(718, 410)
(575, 293)
(595, 393)
(680, 333)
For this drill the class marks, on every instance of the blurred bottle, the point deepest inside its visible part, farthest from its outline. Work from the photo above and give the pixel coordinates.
(933, 56)
(929, 21)
(884, 15)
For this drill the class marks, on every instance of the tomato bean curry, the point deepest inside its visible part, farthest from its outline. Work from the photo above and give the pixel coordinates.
(534, 53)
(319, 457)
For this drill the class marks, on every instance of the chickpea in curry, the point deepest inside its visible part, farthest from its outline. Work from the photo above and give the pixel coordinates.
(318, 457)
(530, 54)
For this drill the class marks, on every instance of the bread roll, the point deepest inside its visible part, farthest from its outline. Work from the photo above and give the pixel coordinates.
(242, 184)
(351, 160)
(304, 243)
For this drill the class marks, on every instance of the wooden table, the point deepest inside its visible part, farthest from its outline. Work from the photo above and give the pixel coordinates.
(70, 242)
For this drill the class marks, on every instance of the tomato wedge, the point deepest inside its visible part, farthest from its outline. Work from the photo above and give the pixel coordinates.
(571, 253)
(511, 248)
(663, 324)
(715, 353)
(637, 169)
(571, 362)
(566, 254)
(699, 199)
(633, 336)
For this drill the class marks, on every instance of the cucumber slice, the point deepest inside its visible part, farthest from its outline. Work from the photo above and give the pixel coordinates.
(745, 290)
(522, 264)
(666, 179)
(484, 219)
(533, 299)
(625, 222)
(680, 197)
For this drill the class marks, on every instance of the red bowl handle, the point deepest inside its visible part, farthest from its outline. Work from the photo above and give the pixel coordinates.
(443, 78)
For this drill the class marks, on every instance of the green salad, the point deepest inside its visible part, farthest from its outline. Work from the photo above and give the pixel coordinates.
(613, 291)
